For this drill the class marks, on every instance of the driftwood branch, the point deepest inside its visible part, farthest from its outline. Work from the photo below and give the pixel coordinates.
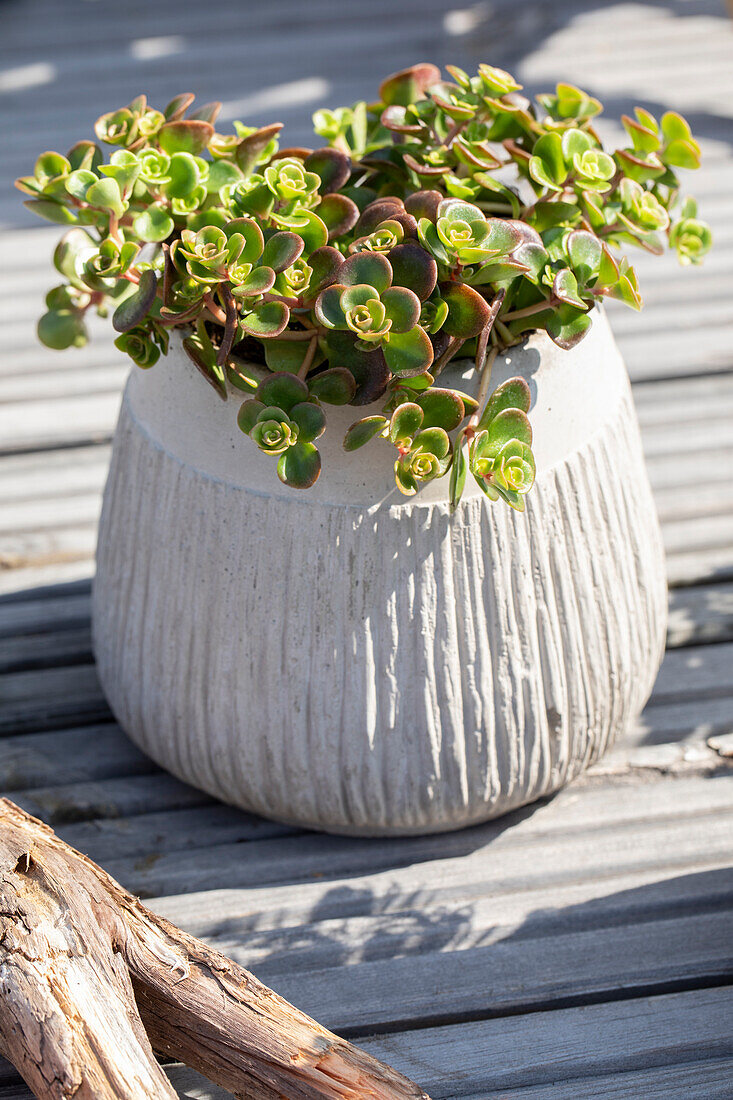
(91, 982)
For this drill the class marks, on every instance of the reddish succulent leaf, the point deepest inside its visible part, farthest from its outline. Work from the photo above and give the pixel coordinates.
(395, 118)
(335, 386)
(292, 152)
(362, 431)
(267, 319)
(424, 204)
(325, 263)
(209, 112)
(409, 85)
(468, 312)
(281, 250)
(339, 214)
(370, 370)
(413, 267)
(251, 147)
(177, 106)
(377, 212)
(428, 170)
(185, 136)
(333, 166)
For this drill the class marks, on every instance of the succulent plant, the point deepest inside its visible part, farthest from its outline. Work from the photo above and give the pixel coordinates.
(452, 216)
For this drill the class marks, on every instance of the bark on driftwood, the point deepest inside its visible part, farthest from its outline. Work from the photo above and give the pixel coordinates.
(91, 982)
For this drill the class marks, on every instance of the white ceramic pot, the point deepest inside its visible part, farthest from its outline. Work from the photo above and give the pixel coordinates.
(357, 661)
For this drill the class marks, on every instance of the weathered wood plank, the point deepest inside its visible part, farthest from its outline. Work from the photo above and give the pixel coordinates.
(698, 1080)
(692, 671)
(86, 418)
(576, 1044)
(63, 757)
(300, 858)
(675, 723)
(509, 976)
(36, 651)
(51, 697)
(118, 797)
(709, 1080)
(34, 615)
(703, 614)
(700, 566)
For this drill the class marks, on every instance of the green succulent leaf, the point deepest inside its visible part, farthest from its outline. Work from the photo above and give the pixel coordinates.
(363, 430)
(311, 420)
(408, 353)
(547, 166)
(405, 422)
(248, 415)
(441, 408)
(402, 308)
(62, 328)
(185, 136)
(300, 466)
(140, 347)
(77, 183)
(51, 211)
(366, 268)
(334, 386)
(512, 394)
(283, 390)
(266, 320)
(328, 309)
(584, 251)
(458, 473)
(325, 264)
(132, 310)
(281, 250)
(567, 326)
(153, 224)
(508, 424)
(242, 375)
(106, 194)
(309, 227)
(565, 288)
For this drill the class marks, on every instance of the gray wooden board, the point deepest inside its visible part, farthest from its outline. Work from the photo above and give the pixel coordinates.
(504, 977)
(516, 854)
(487, 1057)
(617, 887)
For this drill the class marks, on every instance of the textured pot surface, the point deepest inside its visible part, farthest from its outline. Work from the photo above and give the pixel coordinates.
(357, 661)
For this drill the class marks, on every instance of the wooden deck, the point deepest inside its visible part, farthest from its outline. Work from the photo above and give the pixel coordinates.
(580, 948)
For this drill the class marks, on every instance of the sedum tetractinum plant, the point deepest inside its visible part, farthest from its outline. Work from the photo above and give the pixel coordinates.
(451, 217)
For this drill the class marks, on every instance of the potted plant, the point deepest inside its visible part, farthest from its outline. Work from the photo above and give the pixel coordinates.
(348, 620)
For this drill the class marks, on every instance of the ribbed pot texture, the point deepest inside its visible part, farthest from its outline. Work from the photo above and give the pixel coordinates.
(357, 661)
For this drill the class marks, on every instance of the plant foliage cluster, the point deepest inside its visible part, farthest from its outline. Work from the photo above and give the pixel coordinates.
(451, 216)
